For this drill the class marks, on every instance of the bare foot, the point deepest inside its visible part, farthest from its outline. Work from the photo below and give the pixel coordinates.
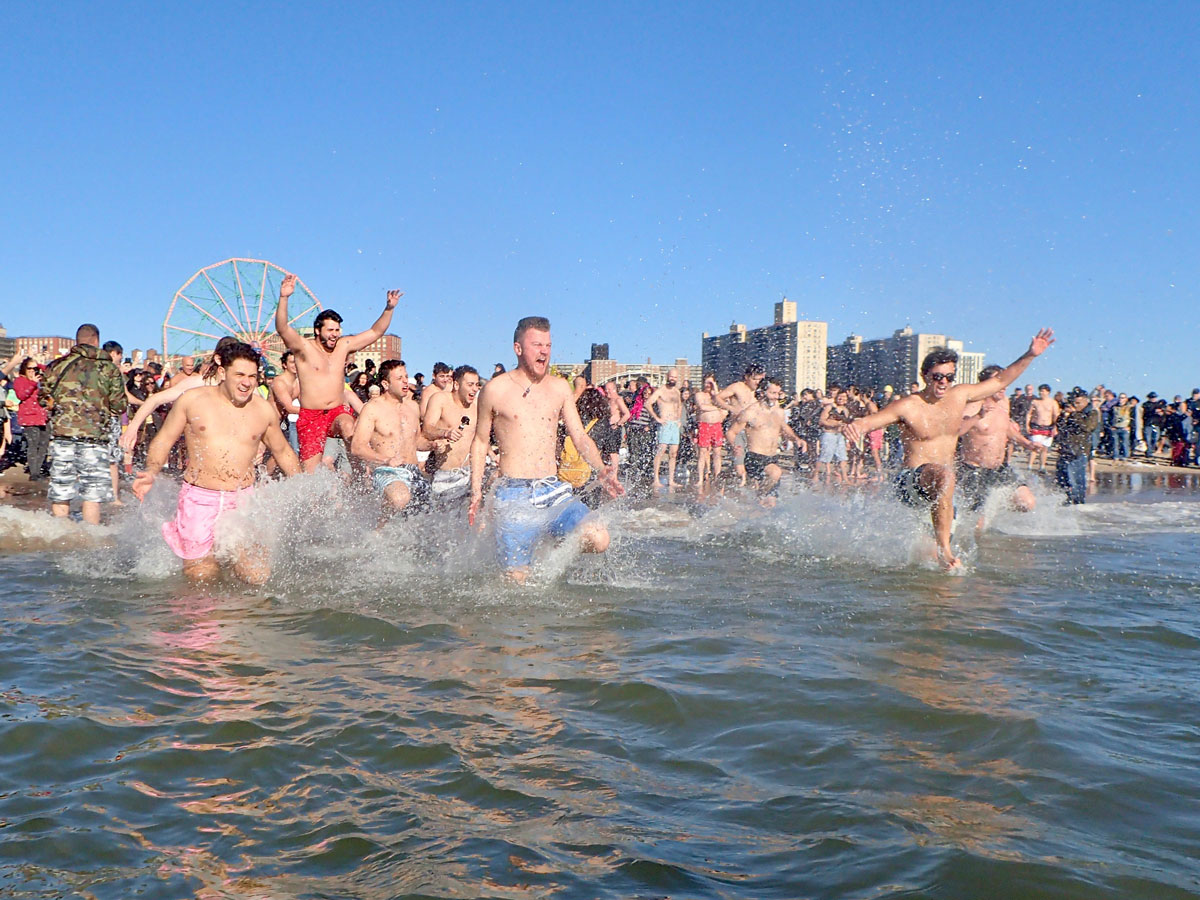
(948, 561)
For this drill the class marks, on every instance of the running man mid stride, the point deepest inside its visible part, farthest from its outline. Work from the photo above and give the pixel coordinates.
(929, 425)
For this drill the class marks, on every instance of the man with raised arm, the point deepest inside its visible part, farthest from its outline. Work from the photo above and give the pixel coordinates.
(388, 437)
(929, 425)
(223, 426)
(451, 416)
(524, 407)
(320, 368)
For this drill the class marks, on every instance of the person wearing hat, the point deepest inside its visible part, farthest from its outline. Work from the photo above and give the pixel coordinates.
(1152, 422)
(1073, 442)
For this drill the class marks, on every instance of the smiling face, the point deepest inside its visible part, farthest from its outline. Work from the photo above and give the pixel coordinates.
(940, 378)
(533, 352)
(328, 334)
(772, 393)
(467, 388)
(443, 380)
(241, 380)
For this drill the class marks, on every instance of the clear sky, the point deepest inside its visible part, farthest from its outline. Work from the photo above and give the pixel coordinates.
(640, 173)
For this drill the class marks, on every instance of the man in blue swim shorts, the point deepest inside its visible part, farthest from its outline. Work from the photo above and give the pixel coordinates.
(387, 438)
(521, 408)
(666, 408)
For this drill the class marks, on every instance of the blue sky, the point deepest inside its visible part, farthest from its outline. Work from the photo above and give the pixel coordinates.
(640, 173)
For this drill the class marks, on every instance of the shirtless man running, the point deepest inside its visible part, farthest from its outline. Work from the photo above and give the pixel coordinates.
(764, 423)
(710, 438)
(734, 399)
(524, 407)
(223, 426)
(388, 437)
(986, 429)
(929, 423)
(666, 408)
(1039, 424)
(452, 416)
(285, 391)
(320, 367)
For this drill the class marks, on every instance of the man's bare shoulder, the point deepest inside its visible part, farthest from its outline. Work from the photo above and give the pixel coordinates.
(436, 405)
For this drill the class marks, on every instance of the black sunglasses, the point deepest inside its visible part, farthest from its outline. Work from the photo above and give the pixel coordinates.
(941, 376)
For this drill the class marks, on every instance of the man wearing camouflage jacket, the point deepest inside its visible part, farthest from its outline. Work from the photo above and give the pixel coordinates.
(82, 391)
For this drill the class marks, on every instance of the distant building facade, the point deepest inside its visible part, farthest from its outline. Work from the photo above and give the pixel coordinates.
(790, 350)
(600, 369)
(8, 346)
(386, 347)
(44, 349)
(895, 360)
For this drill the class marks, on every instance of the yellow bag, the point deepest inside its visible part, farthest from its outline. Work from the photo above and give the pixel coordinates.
(572, 468)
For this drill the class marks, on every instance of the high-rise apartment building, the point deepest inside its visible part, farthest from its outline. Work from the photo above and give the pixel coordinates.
(792, 351)
(895, 360)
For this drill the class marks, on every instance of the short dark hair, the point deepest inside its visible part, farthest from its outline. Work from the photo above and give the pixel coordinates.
(754, 369)
(465, 370)
(285, 356)
(110, 346)
(440, 367)
(386, 368)
(238, 350)
(87, 332)
(1043, 387)
(538, 323)
(772, 380)
(323, 316)
(989, 372)
(936, 357)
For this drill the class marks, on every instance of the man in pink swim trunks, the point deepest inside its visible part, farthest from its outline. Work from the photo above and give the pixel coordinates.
(223, 426)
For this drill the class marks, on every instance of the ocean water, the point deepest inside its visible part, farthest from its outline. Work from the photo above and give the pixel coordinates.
(733, 702)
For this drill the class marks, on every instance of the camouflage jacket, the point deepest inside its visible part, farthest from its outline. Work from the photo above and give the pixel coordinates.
(83, 391)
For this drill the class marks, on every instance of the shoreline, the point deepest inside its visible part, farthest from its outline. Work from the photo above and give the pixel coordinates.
(17, 491)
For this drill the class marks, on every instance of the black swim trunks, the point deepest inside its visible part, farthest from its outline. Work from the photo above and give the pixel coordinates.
(976, 482)
(907, 484)
(756, 465)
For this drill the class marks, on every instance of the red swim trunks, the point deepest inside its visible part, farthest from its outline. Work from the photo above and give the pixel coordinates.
(710, 435)
(314, 425)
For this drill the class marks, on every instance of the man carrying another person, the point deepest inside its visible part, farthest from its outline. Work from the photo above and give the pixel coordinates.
(983, 441)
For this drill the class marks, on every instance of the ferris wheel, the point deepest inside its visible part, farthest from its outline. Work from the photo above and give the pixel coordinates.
(234, 298)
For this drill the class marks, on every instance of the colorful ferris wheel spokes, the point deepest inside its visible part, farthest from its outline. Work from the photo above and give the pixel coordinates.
(234, 298)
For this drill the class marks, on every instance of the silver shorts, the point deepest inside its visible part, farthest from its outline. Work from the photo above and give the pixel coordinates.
(79, 470)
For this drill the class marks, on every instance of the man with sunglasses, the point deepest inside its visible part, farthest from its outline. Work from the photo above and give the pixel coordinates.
(929, 424)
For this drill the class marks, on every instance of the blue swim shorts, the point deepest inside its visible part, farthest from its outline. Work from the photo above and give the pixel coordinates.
(527, 509)
(668, 433)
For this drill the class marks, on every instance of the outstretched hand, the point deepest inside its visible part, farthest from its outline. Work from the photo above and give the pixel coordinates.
(287, 286)
(1041, 341)
(614, 487)
(142, 484)
(393, 297)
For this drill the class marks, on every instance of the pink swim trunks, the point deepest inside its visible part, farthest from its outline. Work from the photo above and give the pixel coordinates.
(190, 534)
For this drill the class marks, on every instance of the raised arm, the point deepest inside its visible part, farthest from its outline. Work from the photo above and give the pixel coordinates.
(1000, 382)
(9, 367)
(364, 339)
(153, 402)
(479, 449)
(291, 337)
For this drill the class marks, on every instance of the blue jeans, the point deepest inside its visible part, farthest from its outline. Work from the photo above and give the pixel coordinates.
(1151, 435)
(1120, 443)
(1071, 473)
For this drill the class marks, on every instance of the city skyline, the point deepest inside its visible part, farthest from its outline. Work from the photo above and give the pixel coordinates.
(641, 171)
